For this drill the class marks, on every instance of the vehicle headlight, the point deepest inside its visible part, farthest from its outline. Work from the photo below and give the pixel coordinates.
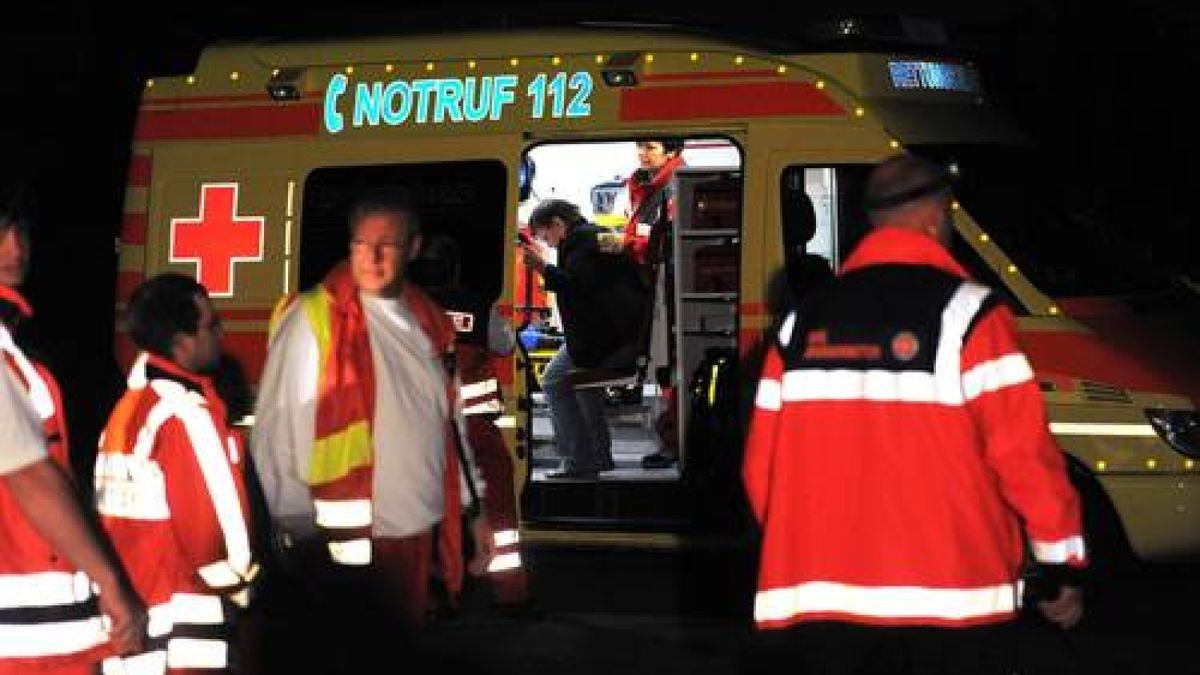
(1178, 428)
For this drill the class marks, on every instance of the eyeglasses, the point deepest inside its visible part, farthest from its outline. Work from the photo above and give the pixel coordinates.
(364, 246)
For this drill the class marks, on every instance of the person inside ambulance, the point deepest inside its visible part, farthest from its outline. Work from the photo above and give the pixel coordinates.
(170, 485)
(602, 304)
(50, 556)
(648, 200)
(648, 197)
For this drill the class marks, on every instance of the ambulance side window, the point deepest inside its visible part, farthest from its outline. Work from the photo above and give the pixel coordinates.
(821, 218)
(833, 195)
(464, 200)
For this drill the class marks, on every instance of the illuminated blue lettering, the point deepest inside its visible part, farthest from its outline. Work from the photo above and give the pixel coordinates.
(487, 98)
(423, 88)
(558, 89)
(368, 99)
(536, 91)
(449, 100)
(333, 119)
(391, 115)
(475, 107)
(503, 95)
(580, 106)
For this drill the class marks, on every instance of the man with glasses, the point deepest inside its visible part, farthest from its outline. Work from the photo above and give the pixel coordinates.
(358, 443)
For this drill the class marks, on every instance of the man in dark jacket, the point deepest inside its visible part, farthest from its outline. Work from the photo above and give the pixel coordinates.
(602, 303)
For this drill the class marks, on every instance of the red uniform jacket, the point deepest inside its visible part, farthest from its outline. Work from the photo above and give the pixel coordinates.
(171, 493)
(48, 614)
(898, 441)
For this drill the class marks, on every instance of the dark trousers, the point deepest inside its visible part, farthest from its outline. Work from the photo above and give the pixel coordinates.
(331, 619)
(834, 648)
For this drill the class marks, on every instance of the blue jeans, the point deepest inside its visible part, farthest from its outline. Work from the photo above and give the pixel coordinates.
(577, 416)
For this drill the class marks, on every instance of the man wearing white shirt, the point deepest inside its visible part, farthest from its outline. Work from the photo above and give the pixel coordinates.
(358, 440)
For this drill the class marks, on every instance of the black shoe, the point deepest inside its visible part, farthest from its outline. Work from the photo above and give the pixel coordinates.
(659, 460)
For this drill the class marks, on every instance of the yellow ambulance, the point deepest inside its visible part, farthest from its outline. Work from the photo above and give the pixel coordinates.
(242, 171)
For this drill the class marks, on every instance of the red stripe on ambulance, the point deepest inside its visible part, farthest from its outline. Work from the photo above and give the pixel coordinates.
(241, 122)
(133, 228)
(755, 99)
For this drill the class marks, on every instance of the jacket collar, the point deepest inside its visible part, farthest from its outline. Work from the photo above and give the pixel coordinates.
(889, 244)
(154, 367)
(13, 297)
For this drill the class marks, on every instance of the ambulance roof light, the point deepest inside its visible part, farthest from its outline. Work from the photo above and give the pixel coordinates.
(283, 84)
(618, 71)
(894, 29)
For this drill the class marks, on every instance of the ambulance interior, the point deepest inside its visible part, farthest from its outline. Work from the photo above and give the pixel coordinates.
(591, 175)
(696, 312)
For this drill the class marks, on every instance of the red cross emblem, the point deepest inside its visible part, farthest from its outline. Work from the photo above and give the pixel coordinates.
(217, 238)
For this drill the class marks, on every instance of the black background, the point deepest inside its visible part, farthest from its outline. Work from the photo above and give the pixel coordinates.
(1105, 93)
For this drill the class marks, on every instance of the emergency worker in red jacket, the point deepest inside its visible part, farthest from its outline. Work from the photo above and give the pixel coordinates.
(648, 196)
(898, 448)
(50, 557)
(482, 336)
(170, 486)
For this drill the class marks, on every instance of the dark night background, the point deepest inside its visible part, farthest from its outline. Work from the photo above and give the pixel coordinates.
(1105, 94)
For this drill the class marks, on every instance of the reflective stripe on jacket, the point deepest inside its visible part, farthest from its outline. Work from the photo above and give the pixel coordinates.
(898, 442)
(170, 491)
(48, 610)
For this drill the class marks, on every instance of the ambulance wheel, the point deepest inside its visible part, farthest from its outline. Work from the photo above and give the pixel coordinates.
(1109, 551)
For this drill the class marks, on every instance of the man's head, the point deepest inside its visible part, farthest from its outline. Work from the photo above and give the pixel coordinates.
(552, 219)
(654, 152)
(385, 235)
(171, 316)
(439, 264)
(14, 249)
(913, 193)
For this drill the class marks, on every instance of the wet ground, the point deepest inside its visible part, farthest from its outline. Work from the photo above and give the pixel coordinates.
(658, 612)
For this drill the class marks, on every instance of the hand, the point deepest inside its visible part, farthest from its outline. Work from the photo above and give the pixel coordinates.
(127, 631)
(481, 534)
(533, 257)
(1065, 610)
